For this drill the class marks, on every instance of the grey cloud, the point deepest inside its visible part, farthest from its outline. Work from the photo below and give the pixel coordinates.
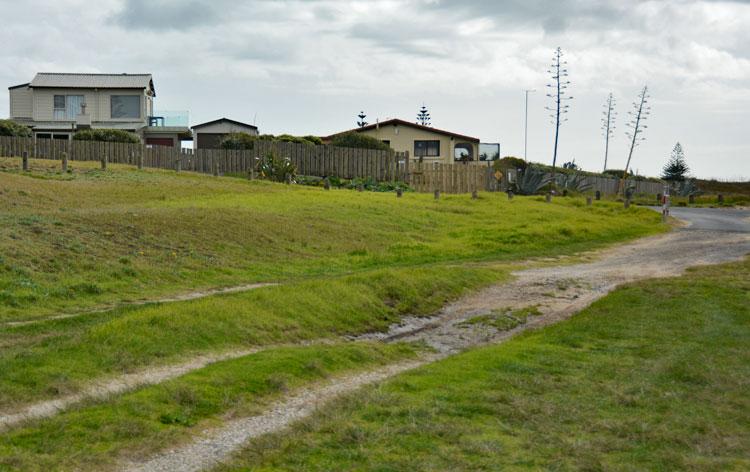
(169, 14)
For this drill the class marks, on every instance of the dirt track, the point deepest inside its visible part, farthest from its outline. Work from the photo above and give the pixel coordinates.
(558, 291)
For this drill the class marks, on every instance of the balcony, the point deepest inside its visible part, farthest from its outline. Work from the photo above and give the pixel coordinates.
(167, 118)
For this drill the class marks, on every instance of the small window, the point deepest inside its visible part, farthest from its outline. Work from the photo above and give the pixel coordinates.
(427, 148)
(67, 107)
(125, 106)
(387, 142)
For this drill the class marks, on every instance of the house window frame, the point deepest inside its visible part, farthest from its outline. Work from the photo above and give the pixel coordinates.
(64, 112)
(431, 148)
(112, 105)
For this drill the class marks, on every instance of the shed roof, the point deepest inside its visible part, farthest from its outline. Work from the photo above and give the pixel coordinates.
(224, 120)
(76, 80)
(396, 121)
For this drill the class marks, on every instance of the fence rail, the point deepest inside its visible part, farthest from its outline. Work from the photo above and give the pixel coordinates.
(313, 160)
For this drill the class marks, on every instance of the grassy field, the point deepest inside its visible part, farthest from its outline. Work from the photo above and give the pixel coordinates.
(95, 436)
(91, 238)
(652, 377)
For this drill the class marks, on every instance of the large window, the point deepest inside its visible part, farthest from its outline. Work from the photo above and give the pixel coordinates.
(67, 107)
(125, 106)
(427, 148)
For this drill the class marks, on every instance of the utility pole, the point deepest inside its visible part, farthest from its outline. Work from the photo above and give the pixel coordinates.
(526, 124)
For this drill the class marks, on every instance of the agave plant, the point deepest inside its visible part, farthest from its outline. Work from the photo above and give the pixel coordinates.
(277, 169)
(531, 180)
(687, 188)
(573, 182)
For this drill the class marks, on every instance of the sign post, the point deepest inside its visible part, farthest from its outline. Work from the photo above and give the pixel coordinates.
(665, 204)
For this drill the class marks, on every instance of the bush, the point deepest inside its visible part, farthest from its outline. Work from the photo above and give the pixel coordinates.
(11, 128)
(108, 135)
(275, 168)
(353, 139)
(238, 141)
(619, 173)
(510, 162)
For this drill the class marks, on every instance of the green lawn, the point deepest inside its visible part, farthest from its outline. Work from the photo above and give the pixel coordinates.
(90, 237)
(652, 377)
(134, 425)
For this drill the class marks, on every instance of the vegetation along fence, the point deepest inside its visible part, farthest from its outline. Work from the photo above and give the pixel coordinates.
(320, 160)
(313, 160)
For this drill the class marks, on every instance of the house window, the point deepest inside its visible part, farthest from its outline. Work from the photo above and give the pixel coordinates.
(427, 148)
(125, 106)
(387, 142)
(67, 107)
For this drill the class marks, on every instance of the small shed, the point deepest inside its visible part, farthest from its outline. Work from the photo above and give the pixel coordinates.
(209, 135)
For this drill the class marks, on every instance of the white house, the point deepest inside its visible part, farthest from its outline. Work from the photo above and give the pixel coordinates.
(56, 105)
(208, 135)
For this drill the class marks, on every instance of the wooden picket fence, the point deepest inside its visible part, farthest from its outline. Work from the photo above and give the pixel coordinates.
(314, 160)
(449, 178)
(310, 160)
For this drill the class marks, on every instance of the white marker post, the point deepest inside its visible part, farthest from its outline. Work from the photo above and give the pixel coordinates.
(665, 204)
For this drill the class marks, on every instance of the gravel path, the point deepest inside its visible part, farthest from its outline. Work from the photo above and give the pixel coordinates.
(215, 445)
(175, 298)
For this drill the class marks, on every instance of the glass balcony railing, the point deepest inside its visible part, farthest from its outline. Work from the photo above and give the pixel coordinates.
(169, 118)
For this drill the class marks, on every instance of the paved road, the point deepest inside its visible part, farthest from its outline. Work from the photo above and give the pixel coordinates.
(727, 220)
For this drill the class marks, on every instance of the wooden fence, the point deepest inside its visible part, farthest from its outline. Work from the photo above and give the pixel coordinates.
(320, 160)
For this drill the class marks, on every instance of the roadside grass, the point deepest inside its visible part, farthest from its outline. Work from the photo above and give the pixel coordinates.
(96, 238)
(60, 357)
(652, 377)
(137, 424)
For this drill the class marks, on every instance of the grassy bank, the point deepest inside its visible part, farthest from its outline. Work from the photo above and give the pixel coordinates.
(652, 377)
(59, 357)
(132, 426)
(87, 238)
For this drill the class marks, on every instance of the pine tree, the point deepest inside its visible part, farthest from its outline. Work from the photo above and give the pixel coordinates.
(676, 168)
(423, 117)
(361, 123)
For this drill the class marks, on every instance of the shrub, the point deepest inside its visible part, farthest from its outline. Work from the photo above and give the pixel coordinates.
(510, 162)
(619, 173)
(11, 128)
(275, 168)
(353, 139)
(531, 181)
(109, 135)
(313, 139)
(238, 141)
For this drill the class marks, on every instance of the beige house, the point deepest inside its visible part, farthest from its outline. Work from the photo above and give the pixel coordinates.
(56, 105)
(422, 142)
(209, 135)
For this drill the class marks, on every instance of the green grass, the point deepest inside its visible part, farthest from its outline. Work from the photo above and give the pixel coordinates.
(652, 377)
(91, 238)
(132, 426)
(59, 357)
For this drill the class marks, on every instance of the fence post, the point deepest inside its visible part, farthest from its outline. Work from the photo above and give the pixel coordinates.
(437, 194)
(588, 201)
(399, 192)
(474, 195)
(720, 198)
(691, 199)
(510, 194)
(104, 162)
(139, 159)
(360, 187)
(179, 165)
(598, 195)
(658, 198)
(288, 178)
(25, 161)
(627, 203)
(64, 162)
(326, 184)
(216, 168)
(548, 197)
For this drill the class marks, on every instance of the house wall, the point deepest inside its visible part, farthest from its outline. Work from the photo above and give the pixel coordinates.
(97, 103)
(402, 139)
(21, 102)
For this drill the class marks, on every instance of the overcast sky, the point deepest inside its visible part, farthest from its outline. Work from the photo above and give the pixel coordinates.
(309, 67)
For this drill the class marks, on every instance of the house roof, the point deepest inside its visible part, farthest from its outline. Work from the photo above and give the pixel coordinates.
(75, 80)
(18, 86)
(396, 121)
(227, 120)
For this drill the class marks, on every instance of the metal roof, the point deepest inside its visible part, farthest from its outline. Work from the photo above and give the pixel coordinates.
(68, 80)
(396, 121)
(225, 120)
